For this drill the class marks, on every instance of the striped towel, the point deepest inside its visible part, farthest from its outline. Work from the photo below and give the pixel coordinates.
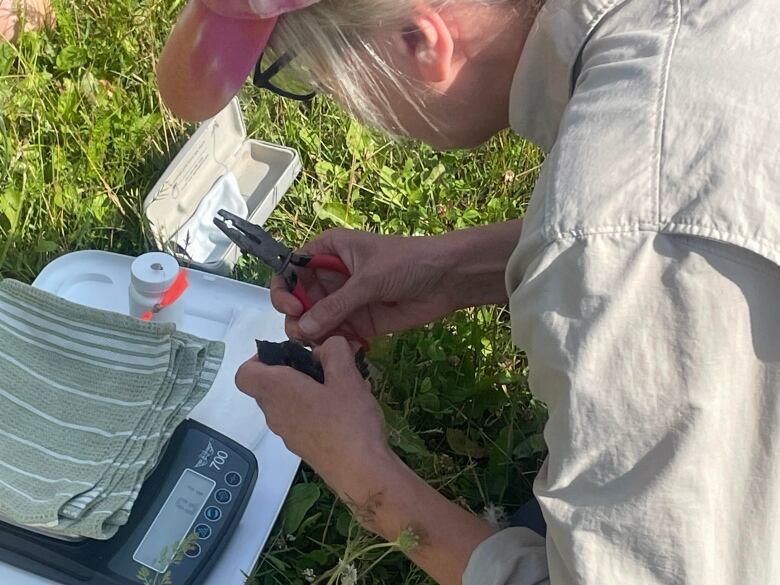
(88, 400)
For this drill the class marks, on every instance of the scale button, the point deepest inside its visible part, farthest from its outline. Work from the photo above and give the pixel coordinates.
(193, 551)
(233, 479)
(203, 531)
(213, 513)
(223, 496)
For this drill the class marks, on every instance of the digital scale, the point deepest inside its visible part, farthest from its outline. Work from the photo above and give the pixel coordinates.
(201, 486)
(207, 481)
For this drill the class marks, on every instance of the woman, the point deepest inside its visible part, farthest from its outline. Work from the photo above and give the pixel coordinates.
(642, 281)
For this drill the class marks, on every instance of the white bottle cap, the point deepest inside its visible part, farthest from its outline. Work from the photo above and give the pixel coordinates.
(153, 272)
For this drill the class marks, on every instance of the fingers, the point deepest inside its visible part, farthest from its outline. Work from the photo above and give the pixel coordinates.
(338, 359)
(269, 384)
(335, 298)
(334, 309)
(283, 394)
(260, 380)
(248, 375)
(283, 300)
(326, 243)
(294, 332)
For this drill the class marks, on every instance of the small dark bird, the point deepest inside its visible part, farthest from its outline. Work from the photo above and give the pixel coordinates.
(299, 357)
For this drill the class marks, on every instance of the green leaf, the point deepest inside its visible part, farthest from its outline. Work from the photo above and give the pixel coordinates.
(461, 444)
(317, 557)
(486, 399)
(358, 140)
(70, 57)
(68, 101)
(410, 442)
(88, 87)
(435, 173)
(45, 246)
(144, 575)
(278, 564)
(340, 214)
(309, 138)
(429, 402)
(345, 523)
(501, 450)
(30, 44)
(7, 58)
(10, 205)
(400, 435)
(388, 176)
(532, 446)
(309, 521)
(327, 171)
(302, 497)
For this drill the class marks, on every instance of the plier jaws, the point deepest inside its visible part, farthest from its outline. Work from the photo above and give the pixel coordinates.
(254, 240)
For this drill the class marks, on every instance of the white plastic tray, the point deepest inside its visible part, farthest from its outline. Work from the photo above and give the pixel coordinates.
(215, 308)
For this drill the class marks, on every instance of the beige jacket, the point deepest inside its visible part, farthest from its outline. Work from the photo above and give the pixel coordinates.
(645, 290)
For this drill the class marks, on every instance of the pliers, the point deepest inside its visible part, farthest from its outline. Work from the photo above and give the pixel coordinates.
(254, 240)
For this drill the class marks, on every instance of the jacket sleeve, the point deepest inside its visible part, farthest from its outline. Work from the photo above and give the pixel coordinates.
(514, 556)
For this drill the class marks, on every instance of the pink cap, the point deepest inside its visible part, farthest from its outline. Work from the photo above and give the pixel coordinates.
(213, 49)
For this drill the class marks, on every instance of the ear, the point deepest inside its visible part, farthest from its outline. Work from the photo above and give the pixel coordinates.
(432, 46)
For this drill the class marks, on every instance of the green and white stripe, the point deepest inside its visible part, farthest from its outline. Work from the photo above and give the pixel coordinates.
(88, 400)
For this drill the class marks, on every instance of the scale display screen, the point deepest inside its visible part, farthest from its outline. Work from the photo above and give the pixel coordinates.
(174, 521)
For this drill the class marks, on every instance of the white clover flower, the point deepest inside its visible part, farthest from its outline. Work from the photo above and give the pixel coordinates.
(408, 540)
(495, 515)
(309, 575)
(348, 575)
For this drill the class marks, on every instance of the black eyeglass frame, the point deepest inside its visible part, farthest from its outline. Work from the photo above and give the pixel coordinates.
(262, 79)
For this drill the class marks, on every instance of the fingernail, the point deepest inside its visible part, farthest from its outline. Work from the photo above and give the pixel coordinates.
(307, 325)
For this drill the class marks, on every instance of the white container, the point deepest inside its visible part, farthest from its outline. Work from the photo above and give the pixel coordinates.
(264, 172)
(215, 308)
(150, 276)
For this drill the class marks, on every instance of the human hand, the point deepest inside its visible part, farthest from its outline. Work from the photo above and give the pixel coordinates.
(337, 428)
(332, 426)
(396, 283)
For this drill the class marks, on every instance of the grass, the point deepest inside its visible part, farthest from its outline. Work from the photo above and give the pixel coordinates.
(83, 138)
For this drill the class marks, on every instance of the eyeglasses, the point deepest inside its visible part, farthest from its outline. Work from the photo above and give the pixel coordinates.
(286, 86)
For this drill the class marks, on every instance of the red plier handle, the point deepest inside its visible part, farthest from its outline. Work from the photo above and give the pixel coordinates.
(316, 262)
(321, 262)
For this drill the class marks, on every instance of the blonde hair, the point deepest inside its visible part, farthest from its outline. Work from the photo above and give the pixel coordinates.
(336, 51)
